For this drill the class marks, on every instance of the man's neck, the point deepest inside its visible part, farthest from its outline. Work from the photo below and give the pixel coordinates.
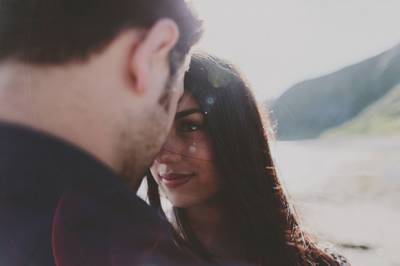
(49, 99)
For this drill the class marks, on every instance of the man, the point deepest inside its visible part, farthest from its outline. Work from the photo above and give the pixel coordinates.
(88, 91)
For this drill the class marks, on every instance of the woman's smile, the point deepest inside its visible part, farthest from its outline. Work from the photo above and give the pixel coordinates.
(174, 180)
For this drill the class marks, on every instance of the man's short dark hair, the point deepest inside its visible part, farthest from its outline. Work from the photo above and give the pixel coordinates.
(59, 31)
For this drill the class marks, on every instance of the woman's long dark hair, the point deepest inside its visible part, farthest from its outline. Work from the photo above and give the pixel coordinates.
(251, 193)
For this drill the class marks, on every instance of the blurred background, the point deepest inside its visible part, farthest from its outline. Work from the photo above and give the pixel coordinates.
(328, 72)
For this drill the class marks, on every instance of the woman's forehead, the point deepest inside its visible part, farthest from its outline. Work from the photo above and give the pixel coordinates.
(187, 102)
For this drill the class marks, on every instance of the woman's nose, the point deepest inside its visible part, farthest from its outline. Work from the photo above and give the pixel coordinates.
(168, 156)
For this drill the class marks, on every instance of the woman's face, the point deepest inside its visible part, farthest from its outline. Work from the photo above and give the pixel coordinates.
(184, 169)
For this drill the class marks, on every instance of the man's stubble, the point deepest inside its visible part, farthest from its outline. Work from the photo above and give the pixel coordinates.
(139, 150)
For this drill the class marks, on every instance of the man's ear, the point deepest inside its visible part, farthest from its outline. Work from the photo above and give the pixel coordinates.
(153, 49)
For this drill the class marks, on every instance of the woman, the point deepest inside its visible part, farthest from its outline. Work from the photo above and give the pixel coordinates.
(216, 170)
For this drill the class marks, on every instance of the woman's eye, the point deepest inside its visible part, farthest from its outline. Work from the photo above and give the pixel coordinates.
(189, 127)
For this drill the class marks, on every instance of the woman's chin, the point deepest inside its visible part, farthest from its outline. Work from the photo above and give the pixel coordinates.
(189, 201)
(182, 203)
(179, 204)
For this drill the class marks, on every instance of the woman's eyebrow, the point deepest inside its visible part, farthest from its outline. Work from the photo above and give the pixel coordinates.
(187, 112)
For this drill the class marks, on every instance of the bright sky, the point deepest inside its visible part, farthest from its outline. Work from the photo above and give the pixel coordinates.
(277, 43)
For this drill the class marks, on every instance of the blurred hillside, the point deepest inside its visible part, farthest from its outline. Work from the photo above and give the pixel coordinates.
(381, 118)
(310, 108)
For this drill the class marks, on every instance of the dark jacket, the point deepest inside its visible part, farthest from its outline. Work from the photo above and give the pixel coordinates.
(60, 206)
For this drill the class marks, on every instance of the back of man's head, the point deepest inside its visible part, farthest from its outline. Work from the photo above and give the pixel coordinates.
(105, 75)
(60, 31)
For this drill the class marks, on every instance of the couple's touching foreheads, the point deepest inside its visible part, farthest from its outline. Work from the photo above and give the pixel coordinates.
(97, 96)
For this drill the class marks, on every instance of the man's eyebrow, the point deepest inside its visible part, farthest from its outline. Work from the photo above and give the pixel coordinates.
(187, 112)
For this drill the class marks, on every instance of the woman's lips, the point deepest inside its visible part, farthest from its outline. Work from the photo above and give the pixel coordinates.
(175, 180)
